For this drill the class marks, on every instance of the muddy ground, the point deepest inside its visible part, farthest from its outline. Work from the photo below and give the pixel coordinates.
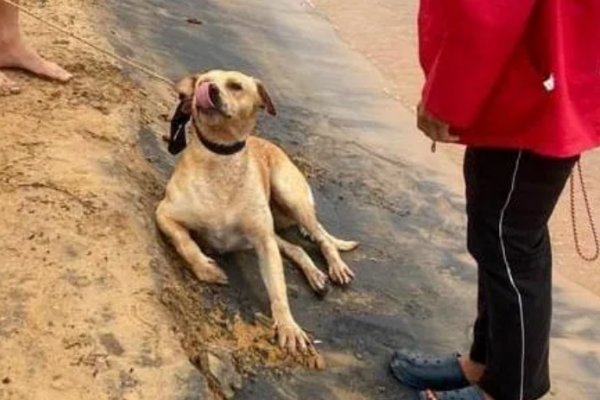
(95, 305)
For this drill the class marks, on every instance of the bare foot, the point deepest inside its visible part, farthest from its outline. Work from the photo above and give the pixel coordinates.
(8, 87)
(16, 54)
(473, 371)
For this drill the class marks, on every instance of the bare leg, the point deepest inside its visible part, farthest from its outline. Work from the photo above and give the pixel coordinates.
(205, 268)
(290, 335)
(473, 371)
(316, 278)
(15, 53)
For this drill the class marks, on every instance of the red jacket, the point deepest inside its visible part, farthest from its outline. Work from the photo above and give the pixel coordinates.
(514, 73)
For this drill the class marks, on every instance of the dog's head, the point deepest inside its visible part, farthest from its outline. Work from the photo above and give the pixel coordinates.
(224, 104)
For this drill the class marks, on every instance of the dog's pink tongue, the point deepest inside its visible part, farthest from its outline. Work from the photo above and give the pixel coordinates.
(203, 99)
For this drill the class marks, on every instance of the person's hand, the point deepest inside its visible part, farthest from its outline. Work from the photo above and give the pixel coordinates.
(435, 129)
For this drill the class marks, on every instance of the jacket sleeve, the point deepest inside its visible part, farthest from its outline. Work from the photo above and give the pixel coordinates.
(481, 36)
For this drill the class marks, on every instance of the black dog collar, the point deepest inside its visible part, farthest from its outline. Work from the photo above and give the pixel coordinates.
(177, 141)
(221, 149)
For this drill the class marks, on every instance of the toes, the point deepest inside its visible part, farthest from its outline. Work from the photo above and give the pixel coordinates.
(303, 346)
(299, 342)
(8, 87)
(293, 339)
(291, 345)
(29, 60)
(320, 284)
(281, 339)
(323, 291)
(430, 395)
(210, 273)
(58, 73)
(342, 275)
(9, 91)
(219, 277)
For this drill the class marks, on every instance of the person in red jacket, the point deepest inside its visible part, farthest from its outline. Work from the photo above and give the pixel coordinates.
(518, 82)
(15, 53)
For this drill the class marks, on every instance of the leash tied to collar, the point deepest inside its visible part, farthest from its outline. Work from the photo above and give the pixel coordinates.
(586, 201)
(178, 142)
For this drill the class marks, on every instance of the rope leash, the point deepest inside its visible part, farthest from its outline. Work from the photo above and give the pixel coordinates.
(108, 53)
(588, 210)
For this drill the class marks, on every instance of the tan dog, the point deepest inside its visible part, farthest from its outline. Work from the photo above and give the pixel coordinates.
(233, 190)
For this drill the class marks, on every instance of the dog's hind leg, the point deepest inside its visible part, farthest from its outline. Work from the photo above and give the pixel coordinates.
(291, 191)
(203, 267)
(342, 245)
(316, 278)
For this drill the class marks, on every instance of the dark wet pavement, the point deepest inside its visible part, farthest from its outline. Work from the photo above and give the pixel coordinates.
(374, 181)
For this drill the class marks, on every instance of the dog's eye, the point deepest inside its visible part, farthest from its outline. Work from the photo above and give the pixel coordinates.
(235, 86)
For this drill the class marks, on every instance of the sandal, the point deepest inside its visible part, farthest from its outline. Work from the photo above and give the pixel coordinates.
(422, 372)
(468, 393)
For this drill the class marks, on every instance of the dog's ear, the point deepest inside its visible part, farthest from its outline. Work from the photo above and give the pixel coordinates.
(265, 98)
(185, 90)
(185, 87)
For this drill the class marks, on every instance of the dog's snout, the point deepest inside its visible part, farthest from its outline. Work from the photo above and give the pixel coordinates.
(208, 97)
(214, 92)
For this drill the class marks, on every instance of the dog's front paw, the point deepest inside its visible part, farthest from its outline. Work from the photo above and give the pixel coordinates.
(292, 338)
(340, 273)
(210, 272)
(319, 282)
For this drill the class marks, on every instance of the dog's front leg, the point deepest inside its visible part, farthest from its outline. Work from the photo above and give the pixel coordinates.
(205, 268)
(290, 335)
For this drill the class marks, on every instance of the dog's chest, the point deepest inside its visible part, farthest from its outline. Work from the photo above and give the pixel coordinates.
(222, 214)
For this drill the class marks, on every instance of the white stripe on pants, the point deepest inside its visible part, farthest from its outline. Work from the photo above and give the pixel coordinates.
(508, 269)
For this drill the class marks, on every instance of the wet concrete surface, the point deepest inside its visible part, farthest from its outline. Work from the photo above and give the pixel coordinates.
(373, 178)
